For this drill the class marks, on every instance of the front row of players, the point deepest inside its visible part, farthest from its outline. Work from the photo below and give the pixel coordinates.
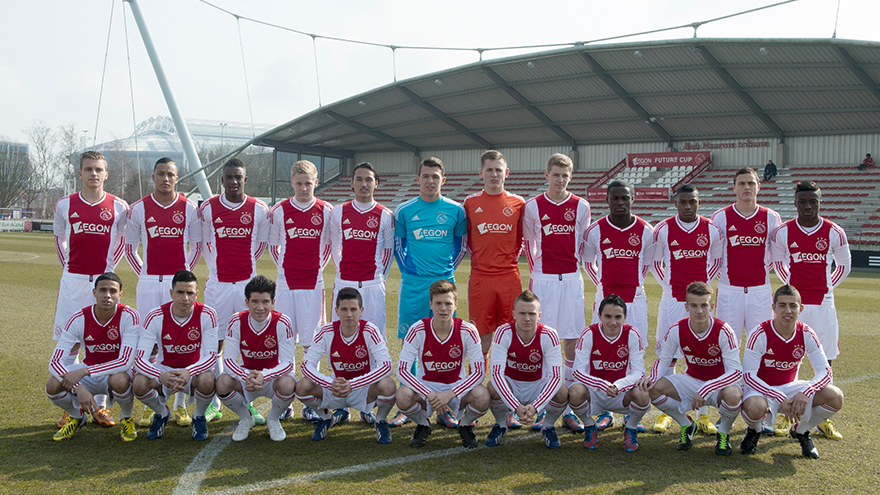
(526, 367)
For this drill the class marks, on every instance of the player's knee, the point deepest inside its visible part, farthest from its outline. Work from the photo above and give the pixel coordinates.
(141, 385)
(731, 395)
(286, 385)
(755, 407)
(386, 386)
(639, 396)
(479, 397)
(561, 396)
(224, 385)
(833, 396)
(119, 382)
(577, 394)
(305, 387)
(205, 382)
(53, 386)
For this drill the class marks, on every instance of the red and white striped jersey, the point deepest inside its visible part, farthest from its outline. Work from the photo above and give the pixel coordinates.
(554, 233)
(601, 361)
(89, 236)
(170, 235)
(234, 237)
(538, 359)
(803, 258)
(689, 253)
(109, 348)
(299, 240)
(266, 346)
(494, 231)
(617, 259)
(770, 360)
(745, 252)
(442, 361)
(362, 241)
(362, 359)
(189, 343)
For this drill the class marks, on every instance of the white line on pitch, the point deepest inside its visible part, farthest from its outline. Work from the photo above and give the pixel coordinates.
(32, 257)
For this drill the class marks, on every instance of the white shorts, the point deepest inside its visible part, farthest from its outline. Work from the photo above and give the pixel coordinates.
(823, 320)
(268, 389)
(669, 313)
(562, 302)
(357, 399)
(373, 294)
(305, 308)
(438, 387)
(99, 386)
(74, 294)
(687, 387)
(600, 402)
(152, 292)
(225, 298)
(636, 312)
(528, 392)
(744, 307)
(788, 390)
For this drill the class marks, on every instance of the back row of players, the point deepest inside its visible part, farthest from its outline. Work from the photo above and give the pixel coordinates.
(429, 235)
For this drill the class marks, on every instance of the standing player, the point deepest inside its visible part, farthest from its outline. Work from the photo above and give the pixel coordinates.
(553, 228)
(88, 227)
(356, 352)
(235, 228)
(618, 252)
(259, 355)
(803, 251)
(168, 226)
(770, 375)
(689, 245)
(107, 332)
(185, 332)
(526, 372)
(440, 345)
(610, 360)
(712, 375)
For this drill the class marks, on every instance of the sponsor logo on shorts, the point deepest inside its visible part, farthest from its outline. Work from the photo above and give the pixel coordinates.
(494, 228)
(360, 235)
(90, 228)
(157, 231)
(689, 253)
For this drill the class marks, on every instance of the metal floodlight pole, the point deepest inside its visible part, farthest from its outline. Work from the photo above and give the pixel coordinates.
(189, 148)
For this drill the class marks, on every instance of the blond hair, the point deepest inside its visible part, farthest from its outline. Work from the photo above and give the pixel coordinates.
(559, 160)
(304, 167)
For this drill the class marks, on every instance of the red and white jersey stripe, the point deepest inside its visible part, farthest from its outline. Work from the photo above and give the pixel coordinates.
(362, 241)
(514, 359)
(802, 257)
(745, 252)
(170, 234)
(162, 328)
(414, 348)
(601, 361)
(271, 342)
(89, 236)
(299, 240)
(685, 253)
(554, 233)
(329, 338)
(234, 237)
(617, 259)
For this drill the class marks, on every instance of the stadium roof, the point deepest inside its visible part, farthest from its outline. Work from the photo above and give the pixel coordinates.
(663, 91)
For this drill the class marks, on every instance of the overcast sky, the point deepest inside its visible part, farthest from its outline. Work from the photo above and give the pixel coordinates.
(53, 50)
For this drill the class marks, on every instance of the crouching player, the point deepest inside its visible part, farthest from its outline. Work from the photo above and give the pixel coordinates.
(526, 372)
(259, 360)
(108, 333)
(440, 345)
(361, 369)
(185, 332)
(712, 375)
(609, 361)
(773, 356)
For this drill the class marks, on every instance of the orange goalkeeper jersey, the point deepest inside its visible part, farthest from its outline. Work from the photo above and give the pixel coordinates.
(494, 231)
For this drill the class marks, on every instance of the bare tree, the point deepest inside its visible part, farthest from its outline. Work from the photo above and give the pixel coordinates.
(44, 171)
(15, 171)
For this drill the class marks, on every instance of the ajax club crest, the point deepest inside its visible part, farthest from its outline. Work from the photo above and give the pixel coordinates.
(246, 218)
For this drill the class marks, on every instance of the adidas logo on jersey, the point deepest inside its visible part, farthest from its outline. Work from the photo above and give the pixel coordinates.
(479, 209)
(686, 348)
(89, 338)
(674, 243)
(335, 354)
(244, 343)
(596, 352)
(793, 245)
(289, 220)
(218, 220)
(732, 228)
(151, 219)
(167, 337)
(769, 352)
(416, 217)
(346, 222)
(606, 241)
(545, 217)
(512, 354)
(75, 215)
(428, 354)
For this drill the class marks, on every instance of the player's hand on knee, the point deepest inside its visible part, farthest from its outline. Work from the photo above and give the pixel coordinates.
(71, 378)
(698, 402)
(86, 399)
(612, 391)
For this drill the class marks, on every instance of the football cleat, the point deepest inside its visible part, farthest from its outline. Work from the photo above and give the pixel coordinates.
(258, 418)
(243, 429)
(468, 439)
(591, 437)
(604, 420)
(276, 432)
(309, 415)
(807, 447)
(340, 416)
(705, 426)
(749, 443)
(398, 420)
(661, 424)
(539, 421)
(383, 432)
(369, 418)
(157, 427)
(551, 439)
(420, 436)
(447, 419)
(767, 429)
(687, 436)
(288, 413)
(573, 423)
(102, 417)
(495, 436)
(128, 432)
(199, 428)
(63, 421)
(213, 413)
(722, 444)
(321, 428)
(785, 426)
(640, 428)
(630, 439)
(827, 428)
(147, 417)
(513, 421)
(70, 428)
(181, 417)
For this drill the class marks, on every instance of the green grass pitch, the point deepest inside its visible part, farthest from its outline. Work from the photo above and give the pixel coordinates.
(350, 461)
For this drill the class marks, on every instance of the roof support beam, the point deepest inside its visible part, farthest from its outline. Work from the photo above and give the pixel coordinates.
(310, 150)
(857, 71)
(623, 95)
(368, 130)
(725, 76)
(444, 118)
(526, 104)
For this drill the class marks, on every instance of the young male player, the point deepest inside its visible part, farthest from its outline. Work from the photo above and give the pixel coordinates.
(440, 345)
(185, 332)
(107, 332)
(235, 228)
(773, 356)
(356, 352)
(712, 375)
(610, 360)
(618, 252)
(259, 355)
(526, 372)
(803, 250)
(88, 229)
(689, 246)
(553, 228)
(169, 227)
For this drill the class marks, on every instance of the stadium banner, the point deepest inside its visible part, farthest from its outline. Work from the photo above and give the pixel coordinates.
(652, 193)
(601, 181)
(671, 159)
(12, 225)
